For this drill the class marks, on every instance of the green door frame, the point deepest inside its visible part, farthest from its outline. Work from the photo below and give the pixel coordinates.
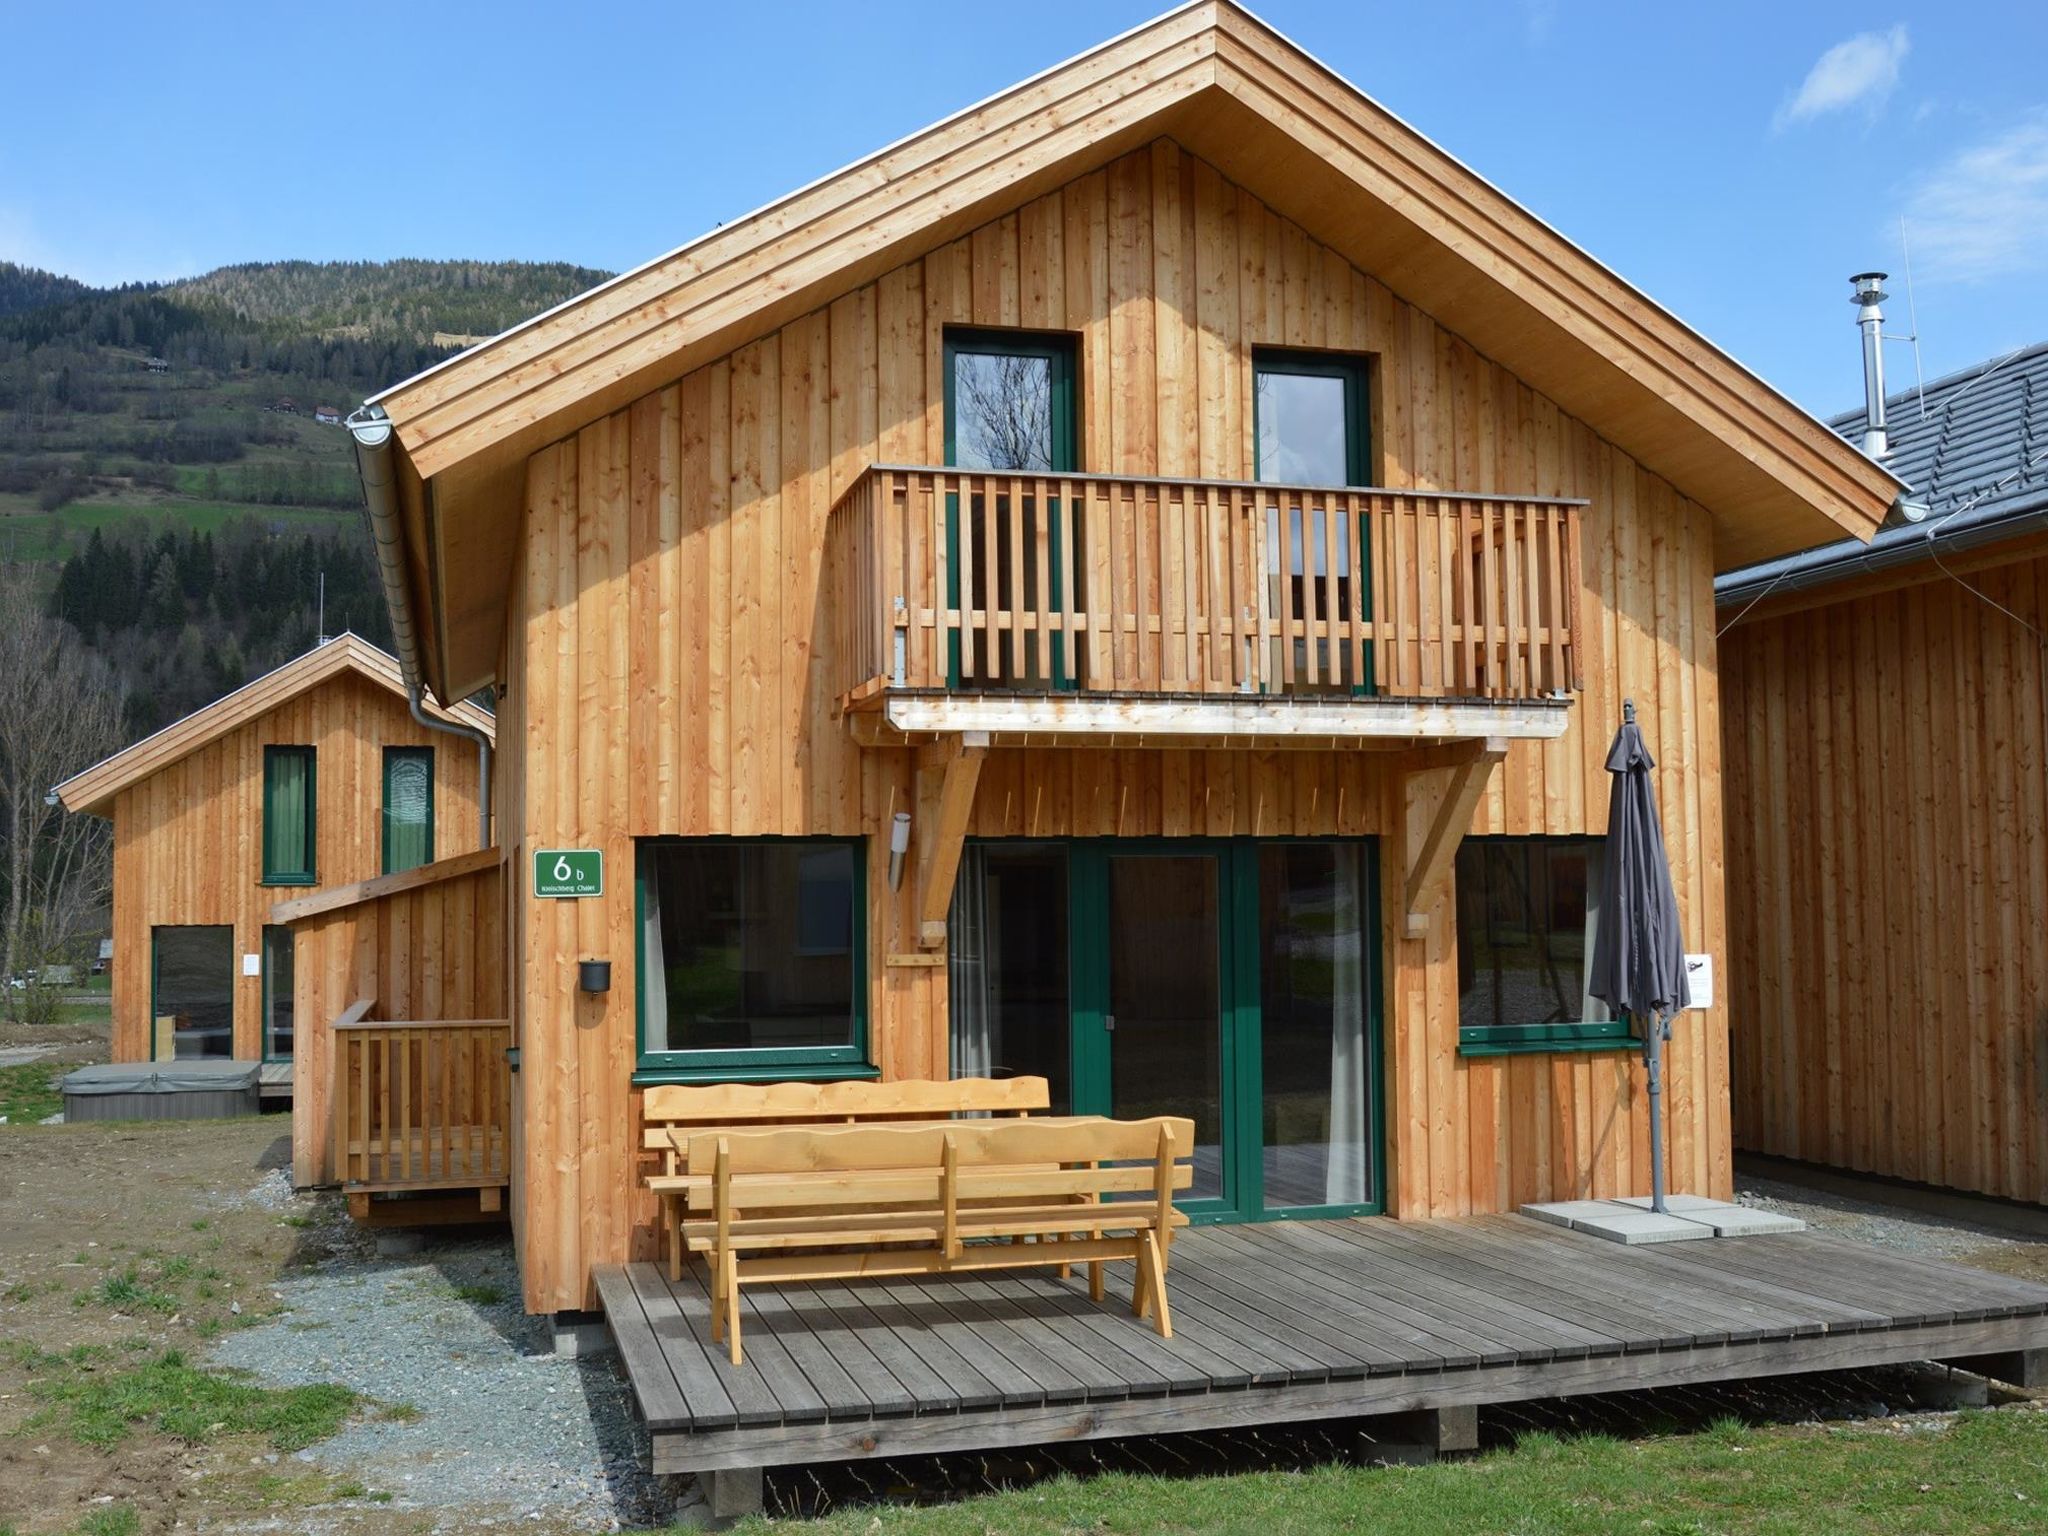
(1352, 368)
(1241, 1066)
(1059, 350)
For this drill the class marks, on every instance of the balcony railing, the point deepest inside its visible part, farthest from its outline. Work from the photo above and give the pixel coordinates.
(981, 581)
(420, 1106)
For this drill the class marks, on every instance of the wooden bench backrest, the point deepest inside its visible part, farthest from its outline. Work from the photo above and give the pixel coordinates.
(737, 1104)
(976, 1143)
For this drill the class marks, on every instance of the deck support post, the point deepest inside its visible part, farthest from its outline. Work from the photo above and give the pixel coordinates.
(2015, 1367)
(964, 755)
(1471, 764)
(1420, 1436)
(732, 1493)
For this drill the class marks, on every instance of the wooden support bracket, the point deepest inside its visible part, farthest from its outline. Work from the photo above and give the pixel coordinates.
(942, 856)
(1471, 764)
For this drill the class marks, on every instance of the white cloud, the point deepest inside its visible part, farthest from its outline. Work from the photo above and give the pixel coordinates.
(1864, 69)
(1981, 215)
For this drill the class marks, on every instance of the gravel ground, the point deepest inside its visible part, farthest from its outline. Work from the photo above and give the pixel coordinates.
(503, 1427)
(1898, 1227)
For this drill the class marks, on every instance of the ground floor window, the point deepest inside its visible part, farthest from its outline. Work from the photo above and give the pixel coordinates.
(752, 955)
(192, 992)
(1231, 981)
(1528, 915)
(277, 993)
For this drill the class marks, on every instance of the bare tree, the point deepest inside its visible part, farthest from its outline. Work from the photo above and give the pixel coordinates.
(60, 711)
(1006, 411)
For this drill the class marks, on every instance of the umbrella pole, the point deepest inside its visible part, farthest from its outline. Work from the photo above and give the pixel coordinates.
(1653, 1061)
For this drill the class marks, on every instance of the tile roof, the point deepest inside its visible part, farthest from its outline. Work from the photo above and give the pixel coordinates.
(1973, 447)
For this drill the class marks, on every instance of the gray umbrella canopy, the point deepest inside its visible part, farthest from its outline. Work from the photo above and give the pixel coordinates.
(1639, 953)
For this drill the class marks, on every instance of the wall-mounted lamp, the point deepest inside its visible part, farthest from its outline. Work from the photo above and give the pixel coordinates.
(899, 845)
(594, 975)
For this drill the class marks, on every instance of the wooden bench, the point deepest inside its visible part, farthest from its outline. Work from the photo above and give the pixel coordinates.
(671, 1113)
(810, 1203)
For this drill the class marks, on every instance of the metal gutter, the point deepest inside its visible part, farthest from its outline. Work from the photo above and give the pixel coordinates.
(375, 464)
(1893, 547)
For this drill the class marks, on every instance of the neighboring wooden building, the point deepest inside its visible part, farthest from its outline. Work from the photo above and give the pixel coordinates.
(1274, 503)
(1887, 796)
(313, 773)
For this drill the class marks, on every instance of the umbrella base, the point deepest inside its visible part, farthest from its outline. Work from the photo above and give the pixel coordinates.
(1689, 1218)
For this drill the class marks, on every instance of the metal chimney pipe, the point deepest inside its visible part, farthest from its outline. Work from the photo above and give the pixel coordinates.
(1868, 295)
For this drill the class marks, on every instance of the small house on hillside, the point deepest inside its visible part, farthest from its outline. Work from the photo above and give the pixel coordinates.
(313, 774)
(327, 415)
(1885, 714)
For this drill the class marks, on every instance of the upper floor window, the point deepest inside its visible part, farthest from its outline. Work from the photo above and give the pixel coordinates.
(1528, 914)
(290, 793)
(1310, 419)
(1009, 401)
(408, 808)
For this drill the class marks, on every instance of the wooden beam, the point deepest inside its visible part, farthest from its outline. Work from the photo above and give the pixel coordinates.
(1447, 830)
(334, 898)
(1176, 719)
(942, 861)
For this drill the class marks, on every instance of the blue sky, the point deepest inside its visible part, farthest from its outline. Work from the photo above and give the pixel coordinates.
(1737, 161)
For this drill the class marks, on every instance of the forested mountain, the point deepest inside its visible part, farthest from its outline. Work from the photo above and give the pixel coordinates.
(416, 301)
(161, 462)
(31, 288)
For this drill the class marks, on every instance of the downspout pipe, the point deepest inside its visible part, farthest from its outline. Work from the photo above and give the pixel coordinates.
(375, 464)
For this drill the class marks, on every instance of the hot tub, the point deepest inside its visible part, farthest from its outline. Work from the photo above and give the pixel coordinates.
(162, 1090)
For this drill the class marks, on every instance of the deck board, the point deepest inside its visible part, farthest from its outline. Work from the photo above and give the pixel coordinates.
(1278, 1323)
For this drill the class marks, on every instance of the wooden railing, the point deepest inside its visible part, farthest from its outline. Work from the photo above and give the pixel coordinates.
(420, 1105)
(974, 580)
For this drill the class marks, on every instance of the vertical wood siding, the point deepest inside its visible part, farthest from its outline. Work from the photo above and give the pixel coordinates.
(1888, 849)
(664, 663)
(432, 952)
(188, 840)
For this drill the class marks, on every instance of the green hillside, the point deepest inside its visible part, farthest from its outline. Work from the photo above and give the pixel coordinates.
(160, 460)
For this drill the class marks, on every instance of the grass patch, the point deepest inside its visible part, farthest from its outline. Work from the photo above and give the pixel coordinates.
(1982, 1473)
(480, 1295)
(28, 1093)
(126, 1292)
(114, 1520)
(102, 1408)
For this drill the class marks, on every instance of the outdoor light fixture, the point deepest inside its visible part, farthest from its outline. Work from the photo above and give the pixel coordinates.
(899, 845)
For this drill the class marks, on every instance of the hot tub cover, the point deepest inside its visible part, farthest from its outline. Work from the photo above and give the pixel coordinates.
(162, 1077)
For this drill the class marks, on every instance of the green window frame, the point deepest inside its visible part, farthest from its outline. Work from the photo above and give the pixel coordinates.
(279, 958)
(1061, 351)
(408, 838)
(1475, 904)
(764, 1063)
(291, 823)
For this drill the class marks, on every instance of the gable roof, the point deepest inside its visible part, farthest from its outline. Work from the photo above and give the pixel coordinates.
(93, 790)
(1972, 449)
(1267, 115)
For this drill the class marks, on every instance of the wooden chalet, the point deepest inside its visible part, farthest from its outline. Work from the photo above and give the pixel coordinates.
(1883, 709)
(1130, 587)
(312, 773)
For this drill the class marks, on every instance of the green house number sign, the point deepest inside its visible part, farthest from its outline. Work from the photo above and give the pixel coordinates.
(568, 872)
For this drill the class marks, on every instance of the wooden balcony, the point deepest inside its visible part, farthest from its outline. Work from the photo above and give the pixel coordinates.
(1042, 606)
(421, 1108)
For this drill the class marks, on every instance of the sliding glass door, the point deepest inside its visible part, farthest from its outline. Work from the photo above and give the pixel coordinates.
(1234, 982)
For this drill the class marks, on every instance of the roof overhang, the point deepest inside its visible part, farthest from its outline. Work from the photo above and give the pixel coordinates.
(94, 790)
(1265, 114)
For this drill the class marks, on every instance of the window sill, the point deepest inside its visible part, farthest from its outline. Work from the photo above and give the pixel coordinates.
(269, 880)
(649, 1076)
(1547, 1039)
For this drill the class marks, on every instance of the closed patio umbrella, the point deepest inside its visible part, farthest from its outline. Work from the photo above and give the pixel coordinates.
(1639, 953)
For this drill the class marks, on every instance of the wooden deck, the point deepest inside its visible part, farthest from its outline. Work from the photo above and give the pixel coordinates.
(1276, 1323)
